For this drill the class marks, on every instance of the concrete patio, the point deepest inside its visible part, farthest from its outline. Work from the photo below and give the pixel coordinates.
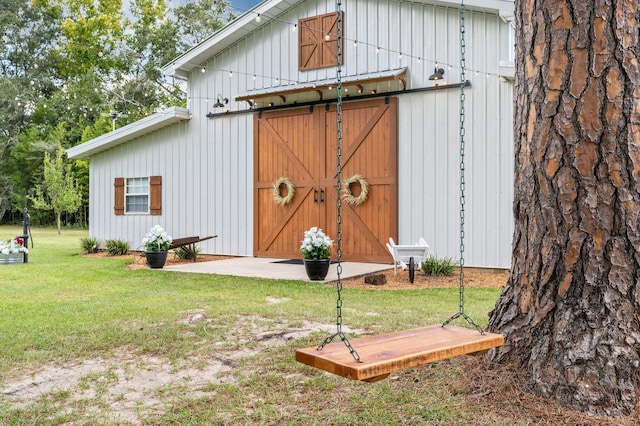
(274, 268)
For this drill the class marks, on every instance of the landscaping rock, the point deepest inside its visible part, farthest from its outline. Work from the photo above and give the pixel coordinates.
(375, 279)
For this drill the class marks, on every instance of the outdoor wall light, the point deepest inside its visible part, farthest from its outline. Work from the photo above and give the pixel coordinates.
(438, 74)
(220, 101)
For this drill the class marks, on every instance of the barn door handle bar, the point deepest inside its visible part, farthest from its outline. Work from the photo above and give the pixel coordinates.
(315, 195)
(322, 195)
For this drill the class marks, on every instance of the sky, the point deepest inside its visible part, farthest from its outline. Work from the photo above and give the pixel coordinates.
(240, 6)
(244, 5)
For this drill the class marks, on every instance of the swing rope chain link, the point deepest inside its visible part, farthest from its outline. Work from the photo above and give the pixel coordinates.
(463, 67)
(339, 332)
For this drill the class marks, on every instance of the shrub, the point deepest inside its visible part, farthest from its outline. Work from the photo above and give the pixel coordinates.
(117, 247)
(183, 253)
(89, 244)
(439, 267)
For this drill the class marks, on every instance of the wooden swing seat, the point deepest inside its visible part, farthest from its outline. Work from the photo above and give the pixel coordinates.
(385, 353)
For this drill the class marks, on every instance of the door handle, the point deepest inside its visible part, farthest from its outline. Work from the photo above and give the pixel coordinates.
(315, 195)
(322, 195)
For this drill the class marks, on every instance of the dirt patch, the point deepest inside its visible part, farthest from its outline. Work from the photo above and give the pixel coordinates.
(125, 386)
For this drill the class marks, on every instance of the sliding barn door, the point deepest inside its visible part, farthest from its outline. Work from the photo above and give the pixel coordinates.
(300, 145)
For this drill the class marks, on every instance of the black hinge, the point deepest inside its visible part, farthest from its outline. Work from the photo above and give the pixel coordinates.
(386, 100)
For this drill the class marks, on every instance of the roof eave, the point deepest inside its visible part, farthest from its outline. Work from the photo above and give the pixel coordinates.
(131, 131)
(227, 35)
(246, 24)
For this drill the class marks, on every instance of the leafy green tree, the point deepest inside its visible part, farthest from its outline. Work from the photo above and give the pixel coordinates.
(200, 19)
(65, 65)
(60, 190)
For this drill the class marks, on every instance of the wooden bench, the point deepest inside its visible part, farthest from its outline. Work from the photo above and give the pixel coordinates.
(188, 244)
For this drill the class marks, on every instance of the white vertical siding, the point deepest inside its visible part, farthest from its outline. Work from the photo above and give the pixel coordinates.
(206, 163)
(204, 187)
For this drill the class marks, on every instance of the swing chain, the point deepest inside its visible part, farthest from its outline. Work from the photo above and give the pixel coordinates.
(463, 67)
(339, 332)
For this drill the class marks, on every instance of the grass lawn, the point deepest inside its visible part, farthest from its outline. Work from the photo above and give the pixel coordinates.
(87, 341)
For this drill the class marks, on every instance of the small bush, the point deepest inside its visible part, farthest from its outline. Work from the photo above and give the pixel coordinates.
(439, 267)
(183, 253)
(117, 247)
(89, 244)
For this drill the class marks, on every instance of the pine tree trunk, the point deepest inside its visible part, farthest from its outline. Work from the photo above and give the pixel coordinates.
(570, 312)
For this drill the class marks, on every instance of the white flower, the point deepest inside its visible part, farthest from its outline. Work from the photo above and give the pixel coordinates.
(12, 247)
(157, 239)
(315, 244)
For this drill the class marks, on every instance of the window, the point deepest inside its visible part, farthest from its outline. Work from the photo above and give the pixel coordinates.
(317, 41)
(139, 195)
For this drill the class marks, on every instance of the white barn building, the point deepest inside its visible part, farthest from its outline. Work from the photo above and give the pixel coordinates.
(211, 169)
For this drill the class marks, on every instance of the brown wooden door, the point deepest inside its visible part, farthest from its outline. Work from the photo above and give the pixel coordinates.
(300, 145)
(369, 149)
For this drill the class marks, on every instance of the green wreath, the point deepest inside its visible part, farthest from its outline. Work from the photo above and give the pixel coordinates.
(348, 197)
(291, 191)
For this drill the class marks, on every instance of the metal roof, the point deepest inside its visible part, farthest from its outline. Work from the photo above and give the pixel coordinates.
(128, 132)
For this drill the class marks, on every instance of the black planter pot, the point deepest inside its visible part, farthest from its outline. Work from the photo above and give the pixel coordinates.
(155, 259)
(317, 269)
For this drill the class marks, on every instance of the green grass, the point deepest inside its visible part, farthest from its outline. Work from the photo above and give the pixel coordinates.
(63, 308)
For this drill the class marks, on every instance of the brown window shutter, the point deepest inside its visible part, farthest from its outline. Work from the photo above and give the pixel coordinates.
(329, 25)
(155, 195)
(118, 200)
(313, 50)
(308, 43)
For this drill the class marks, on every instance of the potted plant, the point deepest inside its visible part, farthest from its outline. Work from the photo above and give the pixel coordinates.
(156, 245)
(315, 249)
(12, 251)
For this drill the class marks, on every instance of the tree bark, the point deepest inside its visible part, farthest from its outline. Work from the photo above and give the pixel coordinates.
(570, 311)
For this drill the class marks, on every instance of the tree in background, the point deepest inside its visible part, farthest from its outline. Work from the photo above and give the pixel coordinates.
(570, 312)
(59, 191)
(199, 19)
(65, 65)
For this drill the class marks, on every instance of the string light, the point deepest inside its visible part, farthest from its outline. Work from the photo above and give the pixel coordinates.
(327, 37)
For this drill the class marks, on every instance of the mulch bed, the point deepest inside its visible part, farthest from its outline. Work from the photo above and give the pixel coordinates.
(472, 278)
